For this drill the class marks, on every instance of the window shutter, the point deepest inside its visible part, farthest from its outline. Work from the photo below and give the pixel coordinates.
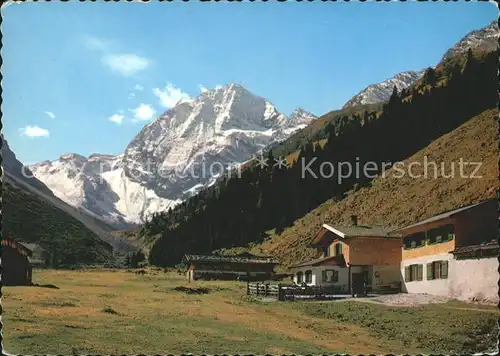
(444, 269)
(430, 273)
(420, 272)
(335, 276)
(324, 276)
(407, 273)
(299, 277)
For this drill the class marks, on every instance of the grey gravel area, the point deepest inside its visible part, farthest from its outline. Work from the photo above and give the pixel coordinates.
(406, 300)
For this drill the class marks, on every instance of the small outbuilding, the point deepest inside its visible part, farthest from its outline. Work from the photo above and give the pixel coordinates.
(39, 255)
(16, 266)
(244, 266)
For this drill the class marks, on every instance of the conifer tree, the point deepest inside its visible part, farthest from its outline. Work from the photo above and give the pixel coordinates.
(430, 77)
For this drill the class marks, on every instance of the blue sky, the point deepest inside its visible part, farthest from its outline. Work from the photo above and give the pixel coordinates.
(86, 77)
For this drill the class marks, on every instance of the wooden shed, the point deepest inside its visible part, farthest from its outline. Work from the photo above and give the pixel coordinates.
(16, 267)
(243, 267)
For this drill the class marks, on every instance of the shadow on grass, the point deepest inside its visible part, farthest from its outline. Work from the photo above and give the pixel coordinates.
(110, 311)
(52, 286)
(187, 290)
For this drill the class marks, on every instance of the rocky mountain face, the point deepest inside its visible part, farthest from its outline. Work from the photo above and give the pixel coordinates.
(17, 170)
(379, 92)
(485, 39)
(185, 149)
(22, 178)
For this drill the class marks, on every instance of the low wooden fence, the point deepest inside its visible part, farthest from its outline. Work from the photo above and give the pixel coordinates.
(265, 290)
(292, 292)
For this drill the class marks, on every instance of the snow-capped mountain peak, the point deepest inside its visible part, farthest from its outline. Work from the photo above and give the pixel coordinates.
(173, 157)
(485, 38)
(300, 117)
(382, 91)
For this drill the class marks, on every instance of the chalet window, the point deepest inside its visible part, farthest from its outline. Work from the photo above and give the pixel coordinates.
(437, 270)
(300, 277)
(330, 276)
(338, 249)
(440, 234)
(414, 241)
(308, 276)
(326, 251)
(413, 273)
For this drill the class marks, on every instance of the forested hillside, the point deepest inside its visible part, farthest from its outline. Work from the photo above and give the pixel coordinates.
(240, 210)
(26, 217)
(393, 201)
(320, 129)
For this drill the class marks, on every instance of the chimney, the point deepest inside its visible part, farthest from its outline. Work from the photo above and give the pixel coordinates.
(354, 220)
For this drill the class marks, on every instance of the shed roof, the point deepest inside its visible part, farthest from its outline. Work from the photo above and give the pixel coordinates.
(30, 246)
(244, 258)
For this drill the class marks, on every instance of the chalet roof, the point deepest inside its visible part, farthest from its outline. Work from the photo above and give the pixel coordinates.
(360, 230)
(243, 258)
(30, 246)
(491, 247)
(444, 215)
(332, 260)
(356, 231)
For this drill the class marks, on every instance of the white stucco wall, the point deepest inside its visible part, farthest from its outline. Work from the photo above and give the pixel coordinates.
(387, 274)
(317, 275)
(434, 286)
(474, 279)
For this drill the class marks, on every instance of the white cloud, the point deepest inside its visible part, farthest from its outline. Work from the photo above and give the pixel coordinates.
(125, 64)
(143, 112)
(217, 87)
(97, 44)
(131, 95)
(50, 114)
(170, 95)
(139, 87)
(34, 131)
(116, 118)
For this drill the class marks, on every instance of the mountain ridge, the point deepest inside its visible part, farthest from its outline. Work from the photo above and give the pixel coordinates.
(218, 130)
(20, 177)
(485, 38)
(380, 92)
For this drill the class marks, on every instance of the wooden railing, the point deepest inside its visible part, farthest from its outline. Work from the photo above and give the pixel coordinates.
(291, 292)
(265, 290)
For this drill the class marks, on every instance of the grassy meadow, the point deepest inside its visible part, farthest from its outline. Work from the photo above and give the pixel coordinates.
(119, 312)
